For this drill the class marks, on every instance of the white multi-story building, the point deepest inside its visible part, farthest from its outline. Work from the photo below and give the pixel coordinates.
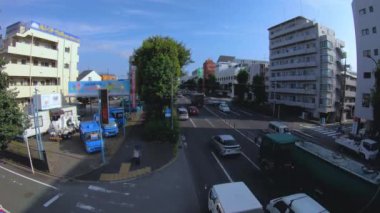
(350, 83)
(305, 65)
(367, 30)
(39, 56)
(228, 67)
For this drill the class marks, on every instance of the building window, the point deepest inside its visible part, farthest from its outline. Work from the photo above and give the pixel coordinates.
(362, 11)
(53, 64)
(366, 53)
(67, 49)
(37, 43)
(35, 62)
(374, 31)
(23, 61)
(366, 75)
(45, 64)
(365, 32)
(366, 100)
(54, 47)
(66, 66)
(14, 61)
(376, 52)
(371, 9)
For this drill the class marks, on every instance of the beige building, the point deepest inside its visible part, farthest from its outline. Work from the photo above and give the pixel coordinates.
(39, 56)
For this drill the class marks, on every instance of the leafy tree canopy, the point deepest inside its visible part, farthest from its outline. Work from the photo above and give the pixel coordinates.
(242, 77)
(258, 88)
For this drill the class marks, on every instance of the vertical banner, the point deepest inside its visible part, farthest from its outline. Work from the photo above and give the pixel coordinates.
(104, 106)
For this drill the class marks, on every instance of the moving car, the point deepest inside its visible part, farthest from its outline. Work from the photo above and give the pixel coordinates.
(183, 114)
(193, 110)
(278, 127)
(224, 107)
(297, 203)
(233, 197)
(225, 145)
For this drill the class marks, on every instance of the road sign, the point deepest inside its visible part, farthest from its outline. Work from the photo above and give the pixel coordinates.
(168, 113)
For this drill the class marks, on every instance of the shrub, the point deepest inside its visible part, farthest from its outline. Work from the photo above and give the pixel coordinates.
(160, 130)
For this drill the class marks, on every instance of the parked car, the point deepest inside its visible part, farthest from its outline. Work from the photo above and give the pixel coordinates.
(233, 197)
(183, 114)
(193, 110)
(225, 145)
(224, 107)
(297, 203)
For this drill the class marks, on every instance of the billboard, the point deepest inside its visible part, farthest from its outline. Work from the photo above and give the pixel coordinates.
(48, 101)
(53, 31)
(91, 88)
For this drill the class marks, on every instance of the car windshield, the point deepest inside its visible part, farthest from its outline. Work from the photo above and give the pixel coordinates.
(229, 142)
(182, 112)
(223, 105)
(372, 147)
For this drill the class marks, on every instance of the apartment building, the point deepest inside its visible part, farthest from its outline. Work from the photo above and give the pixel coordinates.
(367, 31)
(228, 67)
(305, 65)
(349, 82)
(39, 56)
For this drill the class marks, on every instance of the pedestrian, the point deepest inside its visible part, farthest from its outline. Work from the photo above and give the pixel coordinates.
(137, 155)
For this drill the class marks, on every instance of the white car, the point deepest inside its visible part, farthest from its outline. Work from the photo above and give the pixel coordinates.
(225, 145)
(183, 114)
(224, 107)
(297, 203)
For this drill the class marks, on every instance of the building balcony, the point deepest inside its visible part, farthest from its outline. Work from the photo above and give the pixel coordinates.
(291, 29)
(294, 53)
(34, 71)
(294, 65)
(294, 78)
(293, 41)
(37, 51)
(27, 91)
(348, 93)
(294, 90)
(294, 103)
(350, 82)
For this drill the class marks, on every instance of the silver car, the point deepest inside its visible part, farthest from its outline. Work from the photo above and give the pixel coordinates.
(183, 114)
(225, 145)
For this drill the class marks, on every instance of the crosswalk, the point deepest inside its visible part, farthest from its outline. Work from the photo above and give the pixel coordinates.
(328, 131)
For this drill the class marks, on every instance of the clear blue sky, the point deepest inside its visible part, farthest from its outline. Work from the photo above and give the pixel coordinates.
(111, 29)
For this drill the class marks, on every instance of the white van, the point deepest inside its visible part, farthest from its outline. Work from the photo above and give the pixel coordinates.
(233, 197)
(278, 127)
(43, 122)
(297, 203)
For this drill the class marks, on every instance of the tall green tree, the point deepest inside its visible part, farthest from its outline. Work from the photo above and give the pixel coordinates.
(376, 101)
(241, 87)
(258, 88)
(159, 61)
(211, 84)
(11, 117)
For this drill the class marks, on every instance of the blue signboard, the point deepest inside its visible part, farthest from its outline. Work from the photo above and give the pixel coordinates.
(168, 113)
(47, 29)
(91, 88)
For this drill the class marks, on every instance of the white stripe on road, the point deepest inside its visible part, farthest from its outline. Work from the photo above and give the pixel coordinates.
(31, 179)
(192, 122)
(247, 113)
(254, 165)
(246, 137)
(86, 207)
(209, 122)
(237, 114)
(302, 133)
(52, 200)
(221, 166)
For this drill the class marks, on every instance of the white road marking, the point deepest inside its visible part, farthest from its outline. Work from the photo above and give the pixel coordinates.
(247, 113)
(192, 122)
(253, 163)
(209, 122)
(302, 133)
(235, 113)
(53, 199)
(28, 178)
(221, 166)
(86, 207)
(246, 137)
(101, 189)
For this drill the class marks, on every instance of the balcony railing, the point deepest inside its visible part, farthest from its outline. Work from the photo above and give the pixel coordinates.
(37, 51)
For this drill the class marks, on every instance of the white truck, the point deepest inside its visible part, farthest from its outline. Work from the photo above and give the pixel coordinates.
(64, 121)
(367, 148)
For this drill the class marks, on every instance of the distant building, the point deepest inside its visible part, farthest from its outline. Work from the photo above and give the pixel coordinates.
(89, 75)
(305, 65)
(107, 77)
(228, 67)
(349, 93)
(209, 68)
(39, 55)
(367, 30)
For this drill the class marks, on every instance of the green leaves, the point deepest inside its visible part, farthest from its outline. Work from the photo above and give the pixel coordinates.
(159, 61)
(258, 88)
(11, 118)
